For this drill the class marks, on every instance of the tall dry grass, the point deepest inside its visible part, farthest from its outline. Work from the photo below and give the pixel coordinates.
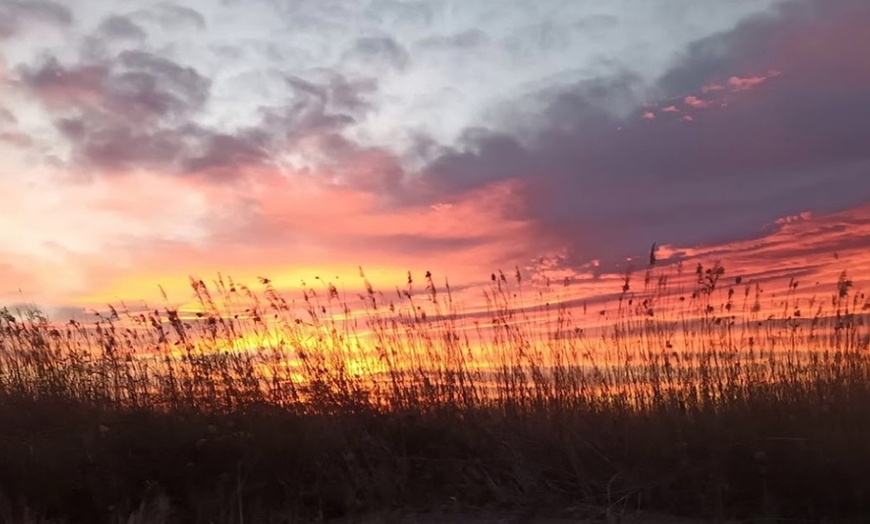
(688, 393)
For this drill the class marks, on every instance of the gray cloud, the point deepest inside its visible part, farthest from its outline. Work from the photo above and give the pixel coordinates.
(328, 103)
(131, 111)
(135, 84)
(15, 13)
(220, 152)
(140, 110)
(177, 14)
(6, 116)
(121, 27)
(431, 245)
(172, 16)
(378, 53)
(403, 74)
(463, 41)
(609, 186)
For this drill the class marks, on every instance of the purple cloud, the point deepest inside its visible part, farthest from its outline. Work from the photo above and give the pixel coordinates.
(608, 186)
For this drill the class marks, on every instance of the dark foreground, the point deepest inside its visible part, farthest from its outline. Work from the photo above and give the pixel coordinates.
(767, 458)
(755, 417)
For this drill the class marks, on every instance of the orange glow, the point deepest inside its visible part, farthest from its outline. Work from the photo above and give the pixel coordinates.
(303, 230)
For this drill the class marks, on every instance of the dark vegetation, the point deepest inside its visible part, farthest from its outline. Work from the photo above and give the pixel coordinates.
(692, 397)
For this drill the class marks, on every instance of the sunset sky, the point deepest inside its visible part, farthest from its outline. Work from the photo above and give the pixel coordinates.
(144, 141)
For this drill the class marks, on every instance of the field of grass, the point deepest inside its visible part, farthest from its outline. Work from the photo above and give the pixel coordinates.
(689, 396)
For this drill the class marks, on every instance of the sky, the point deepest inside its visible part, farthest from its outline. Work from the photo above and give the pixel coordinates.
(142, 142)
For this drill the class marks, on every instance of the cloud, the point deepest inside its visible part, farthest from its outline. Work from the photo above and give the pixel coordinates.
(132, 233)
(408, 74)
(287, 133)
(6, 117)
(167, 14)
(747, 84)
(135, 84)
(130, 111)
(16, 14)
(609, 186)
(139, 110)
(378, 53)
(120, 27)
(813, 248)
(696, 103)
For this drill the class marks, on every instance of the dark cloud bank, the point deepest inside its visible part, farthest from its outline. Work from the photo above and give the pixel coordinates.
(608, 187)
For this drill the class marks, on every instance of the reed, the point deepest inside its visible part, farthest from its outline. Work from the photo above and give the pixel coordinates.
(688, 393)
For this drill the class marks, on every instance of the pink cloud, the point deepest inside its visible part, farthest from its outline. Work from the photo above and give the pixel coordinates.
(696, 103)
(792, 219)
(748, 83)
(129, 234)
(711, 88)
(820, 246)
(16, 139)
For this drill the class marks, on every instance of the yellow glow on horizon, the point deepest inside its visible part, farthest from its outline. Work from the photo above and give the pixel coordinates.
(146, 287)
